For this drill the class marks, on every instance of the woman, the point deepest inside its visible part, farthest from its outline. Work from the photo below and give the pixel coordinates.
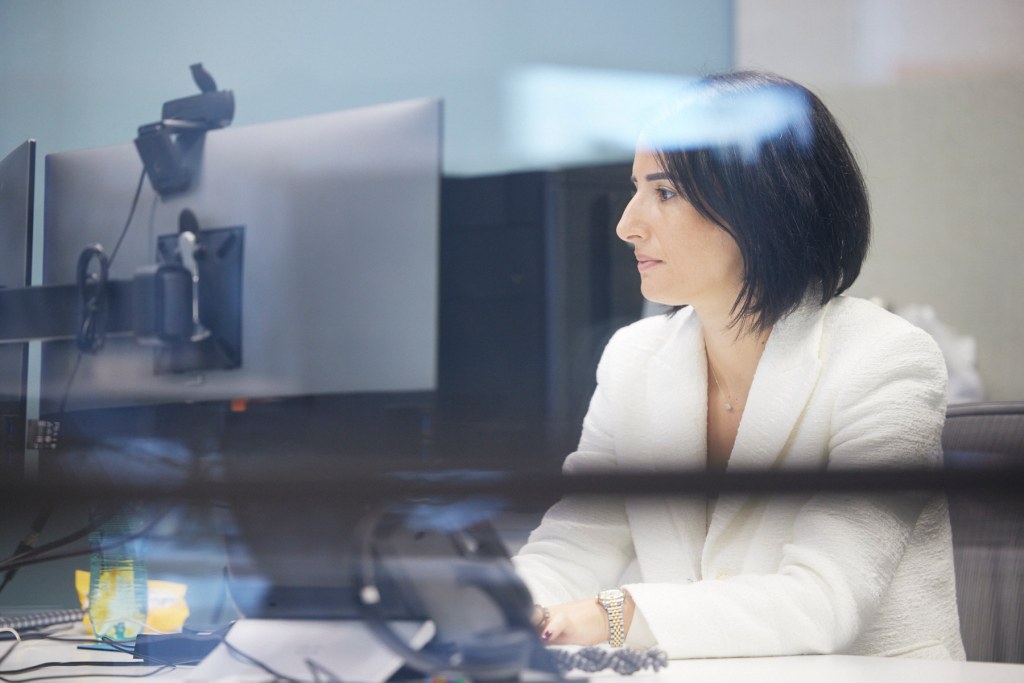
(750, 218)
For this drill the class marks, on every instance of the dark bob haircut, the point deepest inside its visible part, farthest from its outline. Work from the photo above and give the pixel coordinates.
(761, 156)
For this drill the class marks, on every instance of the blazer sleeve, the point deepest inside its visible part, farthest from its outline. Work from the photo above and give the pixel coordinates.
(844, 549)
(583, 544)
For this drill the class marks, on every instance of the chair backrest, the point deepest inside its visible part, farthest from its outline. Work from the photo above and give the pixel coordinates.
(976, 432)
(988, 531)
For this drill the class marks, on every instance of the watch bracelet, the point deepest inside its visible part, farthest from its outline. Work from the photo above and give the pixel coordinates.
(616, 620)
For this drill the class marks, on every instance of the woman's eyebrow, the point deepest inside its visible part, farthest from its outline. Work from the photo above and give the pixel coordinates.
(650, 177)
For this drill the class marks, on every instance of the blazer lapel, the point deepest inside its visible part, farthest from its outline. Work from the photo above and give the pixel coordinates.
(674, 424)
(783, 383)
(668, 431)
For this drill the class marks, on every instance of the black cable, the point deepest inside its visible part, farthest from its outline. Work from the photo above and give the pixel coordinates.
(78, 676)
(314, 667)
(60, 542)
(52, 633)
(131, 214)
(321, 674)
(34, 558)
(67, 387)
(44, 665)
(29, 542)
(90, 338)
(92, 289)
(144, 657)
(7, 653)
(249, 659)
(92, 330)
(28, 549)
(19, 561)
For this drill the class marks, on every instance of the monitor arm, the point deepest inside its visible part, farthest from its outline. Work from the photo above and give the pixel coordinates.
(187, 304)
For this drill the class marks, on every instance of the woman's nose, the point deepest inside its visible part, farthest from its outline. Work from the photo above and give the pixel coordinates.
(629, 228)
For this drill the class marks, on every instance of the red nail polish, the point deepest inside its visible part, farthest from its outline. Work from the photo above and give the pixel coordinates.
(547, 635)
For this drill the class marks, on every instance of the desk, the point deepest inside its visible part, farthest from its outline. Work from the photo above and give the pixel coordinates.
(838, 669)
(810, 669)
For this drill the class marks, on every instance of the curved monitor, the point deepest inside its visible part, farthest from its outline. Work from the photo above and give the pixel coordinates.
(340, 278)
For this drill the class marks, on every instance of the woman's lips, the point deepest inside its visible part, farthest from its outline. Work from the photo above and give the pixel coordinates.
(644, 262)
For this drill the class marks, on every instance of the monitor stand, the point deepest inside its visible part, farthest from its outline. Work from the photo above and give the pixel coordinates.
(342, 650)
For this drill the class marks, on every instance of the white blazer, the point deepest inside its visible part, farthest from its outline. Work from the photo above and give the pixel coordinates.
(844, 385)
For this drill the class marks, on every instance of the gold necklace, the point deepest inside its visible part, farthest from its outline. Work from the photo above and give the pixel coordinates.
(726, 402)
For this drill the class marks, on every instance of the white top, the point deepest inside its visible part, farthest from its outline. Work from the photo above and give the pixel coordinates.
(846, 385)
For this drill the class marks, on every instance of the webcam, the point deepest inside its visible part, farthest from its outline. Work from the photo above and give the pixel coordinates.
(164, 145)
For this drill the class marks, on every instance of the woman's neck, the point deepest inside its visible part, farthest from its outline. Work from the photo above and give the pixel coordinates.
(733, 354)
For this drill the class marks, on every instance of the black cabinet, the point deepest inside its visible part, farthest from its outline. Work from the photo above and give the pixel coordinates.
(533, 282)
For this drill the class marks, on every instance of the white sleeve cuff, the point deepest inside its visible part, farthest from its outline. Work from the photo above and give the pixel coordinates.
(639, 634)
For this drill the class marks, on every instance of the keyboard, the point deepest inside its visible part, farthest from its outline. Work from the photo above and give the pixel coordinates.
(25, 622)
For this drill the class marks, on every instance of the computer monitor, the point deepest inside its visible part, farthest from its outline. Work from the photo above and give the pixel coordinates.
(339, 300)
(17, 198)
(338, 348)
(339, 287)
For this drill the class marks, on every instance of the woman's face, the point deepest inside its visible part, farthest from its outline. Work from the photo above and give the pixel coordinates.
(683, 257)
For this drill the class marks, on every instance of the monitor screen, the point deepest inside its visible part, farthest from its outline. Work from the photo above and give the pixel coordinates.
(339, 287)
(17, 196)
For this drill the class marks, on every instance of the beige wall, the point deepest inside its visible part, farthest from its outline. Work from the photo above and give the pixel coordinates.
(931, 94)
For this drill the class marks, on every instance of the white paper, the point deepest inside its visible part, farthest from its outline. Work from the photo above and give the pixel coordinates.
(346, 649)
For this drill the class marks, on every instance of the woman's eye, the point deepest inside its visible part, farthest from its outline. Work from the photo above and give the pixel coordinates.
(664, 193)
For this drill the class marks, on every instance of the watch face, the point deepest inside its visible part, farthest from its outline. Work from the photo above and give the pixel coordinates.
(610, 595)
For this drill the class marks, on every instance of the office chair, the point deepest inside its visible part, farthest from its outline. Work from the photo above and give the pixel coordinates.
(988, 531)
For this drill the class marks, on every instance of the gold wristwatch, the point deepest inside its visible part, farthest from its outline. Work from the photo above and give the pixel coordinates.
(612, 601)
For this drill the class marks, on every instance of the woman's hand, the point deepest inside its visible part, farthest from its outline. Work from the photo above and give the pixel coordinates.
(583, 622)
